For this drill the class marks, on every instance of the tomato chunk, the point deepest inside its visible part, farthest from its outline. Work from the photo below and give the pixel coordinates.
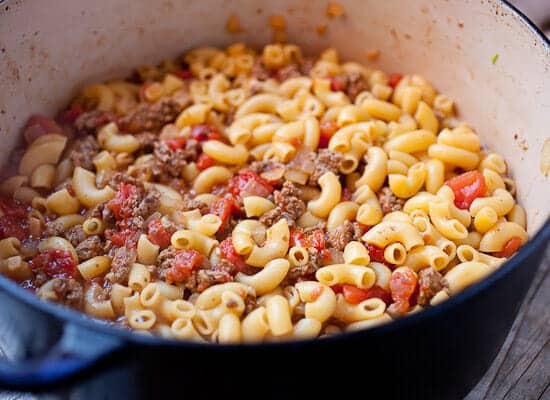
(467, 187)
(176, 143)
(125, 237)
(224, 207)
(55, 263)
(203, 133)
(316, 239)
(394, 79)
(70, 115)
(227, 252)
(337, 83)
(183, 73)
(14, 222)
(204, 161)
(509, 248)
(248, 183)
(121, 204)
(185, 262)
(356, 295)
(402, 287)
(376, 253)
(327, 130)
(158, 234)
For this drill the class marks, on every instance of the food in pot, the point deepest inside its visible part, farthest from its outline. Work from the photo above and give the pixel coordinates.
(230, 196)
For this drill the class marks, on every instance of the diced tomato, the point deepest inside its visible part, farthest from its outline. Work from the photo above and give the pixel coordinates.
(250, 184)
(337, 289)
(296, 237)
(467, 187)
(70, 115)
(183, 73)
(176, 143)
(402, 287)
(227, 252)
(376, 253)
(224, 207)
(356, 295)
(125, 237)
(364, 228)
(327, 130)
(337, 83)
(203, 133)
(394, 79)
(39, 125)
(13, 222)
(55, 263)
(204, 161)
(158, 234)
(316, 238)
(185, 262)
(509, 248)
(121, 204)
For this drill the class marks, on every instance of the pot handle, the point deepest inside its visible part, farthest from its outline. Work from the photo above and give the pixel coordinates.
(77, 351)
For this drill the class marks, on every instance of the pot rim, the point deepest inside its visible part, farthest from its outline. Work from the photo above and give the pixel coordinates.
(82, 320)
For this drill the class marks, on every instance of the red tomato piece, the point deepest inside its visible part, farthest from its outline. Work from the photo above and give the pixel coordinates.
(158, 234)
(402, 287)
(327, 130)
(224, 207)
(394, 79)
(296, 237)
(176, 143)
(227, 252)
(337, 83)
(185, 262)
(55, 263)
(14, 222)
(376, 253)
(121, 204)
(183, 73)
(125, 237)
(337, 289)
(39, 125)
(70, 115)
(204, 161)
(467, 187)
(250, 184)
(356, 295)
(202, 133)
(509, 248)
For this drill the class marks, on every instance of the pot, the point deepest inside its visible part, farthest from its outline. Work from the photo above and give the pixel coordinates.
(484, 54)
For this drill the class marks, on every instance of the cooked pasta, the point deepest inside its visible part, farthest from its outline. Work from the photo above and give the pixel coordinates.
(239, 196)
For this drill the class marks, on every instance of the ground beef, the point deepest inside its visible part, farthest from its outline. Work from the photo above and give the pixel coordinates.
(259, 167)
(121, 177)
(190, 204)
(87, 123)
(123, 258)
(171, 162)
(202, 279)
(90, 247)
(388, 201)
(147, 141)
(100, 289)
(165, 260)
(83, 152)
(325, 161)
(150, 117)
(355, 84)
(339, 237)
(68, 292)
(149, 204)
(260, 72)
(54, 228)
(287, 72)
(289, 206)
(307, 271)
(430, 282)
(135, 223)
(75, 235)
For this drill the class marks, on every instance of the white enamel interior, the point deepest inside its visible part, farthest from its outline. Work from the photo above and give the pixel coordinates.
(51, 48)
